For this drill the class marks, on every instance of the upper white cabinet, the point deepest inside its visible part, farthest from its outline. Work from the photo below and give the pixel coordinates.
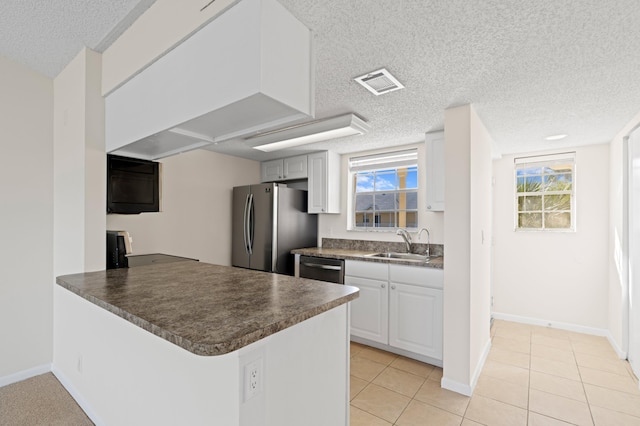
(435, 171)
(284, 169)
(324, 182)
(249, 69)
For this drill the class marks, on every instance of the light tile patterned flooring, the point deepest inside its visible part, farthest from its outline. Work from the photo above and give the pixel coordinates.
(533, 376)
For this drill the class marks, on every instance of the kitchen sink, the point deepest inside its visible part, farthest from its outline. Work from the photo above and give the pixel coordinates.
(401, 256)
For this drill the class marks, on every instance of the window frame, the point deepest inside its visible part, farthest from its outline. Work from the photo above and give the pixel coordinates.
(545, 161)
(376, 163)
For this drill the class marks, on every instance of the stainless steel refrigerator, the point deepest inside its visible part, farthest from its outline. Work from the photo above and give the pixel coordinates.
(270, 220)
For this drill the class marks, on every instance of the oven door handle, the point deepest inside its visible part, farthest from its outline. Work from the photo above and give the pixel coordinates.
(321, 266)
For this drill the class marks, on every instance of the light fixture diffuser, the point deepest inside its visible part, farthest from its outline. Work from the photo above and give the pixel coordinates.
(556, 137)
(315, 131)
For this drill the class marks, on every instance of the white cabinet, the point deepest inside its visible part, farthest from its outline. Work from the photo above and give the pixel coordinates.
(324, 182)
(369, 313)
(223, 82)
(415, 310)
(399, 306)
(435, 171)
(284, 169)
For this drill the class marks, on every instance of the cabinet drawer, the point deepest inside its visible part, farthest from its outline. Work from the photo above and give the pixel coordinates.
(417, 275)
(371, 270)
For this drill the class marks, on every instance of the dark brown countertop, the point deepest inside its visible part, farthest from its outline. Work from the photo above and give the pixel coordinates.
(207, 309)
(335, 253)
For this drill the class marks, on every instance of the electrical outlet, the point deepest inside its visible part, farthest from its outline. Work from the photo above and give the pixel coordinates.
(253, 379)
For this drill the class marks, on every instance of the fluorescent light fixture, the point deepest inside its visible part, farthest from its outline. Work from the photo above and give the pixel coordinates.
(315, 131)
(556, 137)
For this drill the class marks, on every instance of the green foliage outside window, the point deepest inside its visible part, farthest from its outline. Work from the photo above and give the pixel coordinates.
(544, 195)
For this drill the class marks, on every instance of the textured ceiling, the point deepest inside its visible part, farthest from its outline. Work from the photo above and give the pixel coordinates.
(47, 35)
(531, 69)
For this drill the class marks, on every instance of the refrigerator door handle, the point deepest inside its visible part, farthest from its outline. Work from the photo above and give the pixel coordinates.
(244, 224)
(249, 224)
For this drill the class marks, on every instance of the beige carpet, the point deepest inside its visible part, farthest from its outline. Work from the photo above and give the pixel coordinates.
(40, 400)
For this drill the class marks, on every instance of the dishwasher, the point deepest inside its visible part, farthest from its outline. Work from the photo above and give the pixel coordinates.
(322, 269)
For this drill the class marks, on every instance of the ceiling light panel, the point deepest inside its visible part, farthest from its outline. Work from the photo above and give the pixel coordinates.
(316, 131)
(379, 82)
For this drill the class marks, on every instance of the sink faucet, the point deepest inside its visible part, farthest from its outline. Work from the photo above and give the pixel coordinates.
(407, 238)
(428, 236)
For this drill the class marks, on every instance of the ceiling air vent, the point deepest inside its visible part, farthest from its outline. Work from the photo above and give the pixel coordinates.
(379, 82)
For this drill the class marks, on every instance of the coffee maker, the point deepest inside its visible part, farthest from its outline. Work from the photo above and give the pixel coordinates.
(118, 248)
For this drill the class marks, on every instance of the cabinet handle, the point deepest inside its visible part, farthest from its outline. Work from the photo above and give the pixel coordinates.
(382, 285)
(393, 287)
(429, 207)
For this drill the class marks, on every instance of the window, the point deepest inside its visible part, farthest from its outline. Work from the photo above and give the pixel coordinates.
(545, 192)
(385, 190)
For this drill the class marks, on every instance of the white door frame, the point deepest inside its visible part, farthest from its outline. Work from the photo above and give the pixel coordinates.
(631, 315)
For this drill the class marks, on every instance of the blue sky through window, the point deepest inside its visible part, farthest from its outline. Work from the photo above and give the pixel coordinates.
(385, 180)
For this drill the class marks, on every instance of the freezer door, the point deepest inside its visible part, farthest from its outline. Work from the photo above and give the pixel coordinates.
(262, 224)
(296, 229)
(239, 236)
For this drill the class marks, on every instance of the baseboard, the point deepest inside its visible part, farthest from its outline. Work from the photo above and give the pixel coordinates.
(464, 389)
(88, 410)
(552, 324)
(480, 365)
(454, 386)
(603, 332)
(24, 374)
(621, 354)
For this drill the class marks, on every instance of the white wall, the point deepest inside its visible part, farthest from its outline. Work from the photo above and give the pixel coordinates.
(26, 171)
(467, 254)
(556, 277)
(335, 225)
(195, 220)
(617, 250)
(79, 167)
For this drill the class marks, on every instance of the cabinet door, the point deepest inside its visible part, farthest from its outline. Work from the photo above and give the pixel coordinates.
(324, 182)
(295, 167)
(415, 319)
(435, 171)
(369, 312)
(318, 182)
(272, 171)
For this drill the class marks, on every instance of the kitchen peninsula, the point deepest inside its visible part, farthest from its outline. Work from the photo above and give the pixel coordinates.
(175, 344)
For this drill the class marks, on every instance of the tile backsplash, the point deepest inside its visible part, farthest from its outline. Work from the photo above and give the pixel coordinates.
(380, 246)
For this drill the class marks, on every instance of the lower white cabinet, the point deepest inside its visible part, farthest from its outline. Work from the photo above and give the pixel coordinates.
(415, 319)
(370, 311)
(399, 306)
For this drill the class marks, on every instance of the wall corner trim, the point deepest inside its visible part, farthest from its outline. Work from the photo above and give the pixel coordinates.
(24, 374)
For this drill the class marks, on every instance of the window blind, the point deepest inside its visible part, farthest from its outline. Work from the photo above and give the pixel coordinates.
(387, 160)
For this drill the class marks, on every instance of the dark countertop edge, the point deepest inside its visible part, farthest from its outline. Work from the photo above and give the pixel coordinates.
(211, 349)
(344, 254)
